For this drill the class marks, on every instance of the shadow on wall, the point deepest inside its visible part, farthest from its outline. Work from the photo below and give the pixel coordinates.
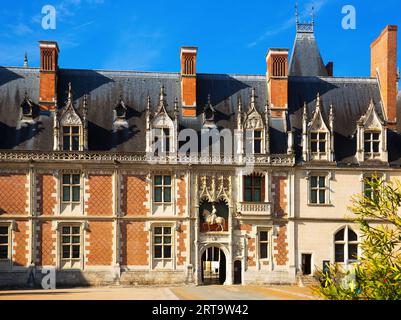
(7, 76)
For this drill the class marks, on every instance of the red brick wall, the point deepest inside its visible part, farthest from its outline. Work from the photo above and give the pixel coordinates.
(20, 245)
(46, 244)
(181, 196)
(47, 200)
(13, 194)
(181, 247)
(100, 202)
(134, 247)
(134, 196)
(100, 244)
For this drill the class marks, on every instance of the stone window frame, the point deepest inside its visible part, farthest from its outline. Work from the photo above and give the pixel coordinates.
(70, 136)
(163, 186)
(262, 187)
(346, 243)
(9, 225)
(61, 206)
(319, 155)
(250, 140)
(71, 185)
(152, 259)
(371, 154)
(59, 252)
(328, 194)
(368, 175)
(268, 241)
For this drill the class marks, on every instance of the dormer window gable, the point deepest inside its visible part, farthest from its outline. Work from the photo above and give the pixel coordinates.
(161, 133)
(318, 135)
(70, 127)
(255, 129)
(209, 114)
(372, 137)
(27, 106)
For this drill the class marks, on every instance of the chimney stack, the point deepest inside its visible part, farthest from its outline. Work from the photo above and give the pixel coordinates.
(384, 66)
(277, 81)
(188, 81)
(48, 74)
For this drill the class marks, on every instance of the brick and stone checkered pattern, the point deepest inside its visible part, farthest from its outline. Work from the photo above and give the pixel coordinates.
(13, 194)
(181, 196)
(100, 251)
(181, 247)
(281, 246)
(134, 244)
(100, 202)
(135, 196)
(20, 244)
(45, 244)
(279, 185)
(46, 194)
(251, 244)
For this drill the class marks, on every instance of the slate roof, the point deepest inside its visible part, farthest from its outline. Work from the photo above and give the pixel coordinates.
(306, 60)
(350, 98)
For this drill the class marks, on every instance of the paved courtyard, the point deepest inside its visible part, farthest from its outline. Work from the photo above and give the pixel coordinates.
(165, 293)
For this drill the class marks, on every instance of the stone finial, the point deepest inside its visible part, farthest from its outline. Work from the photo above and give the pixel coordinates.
(26, 60)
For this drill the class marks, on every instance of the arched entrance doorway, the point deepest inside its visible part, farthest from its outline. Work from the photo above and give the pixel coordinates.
(213, 266)
(237, 272)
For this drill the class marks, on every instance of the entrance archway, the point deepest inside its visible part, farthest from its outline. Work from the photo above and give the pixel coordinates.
(237, 272)
(213, 266)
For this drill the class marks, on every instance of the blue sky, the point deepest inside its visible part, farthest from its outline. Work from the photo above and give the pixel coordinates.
(233, 36)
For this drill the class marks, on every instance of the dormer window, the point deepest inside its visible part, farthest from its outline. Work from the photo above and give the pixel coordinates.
(318, 143)
(27, 108)
(372, 136)
(71, 138)
(161, 137)
(70, 128)
(121, 111)
(317, 134)
(372, 144)
(162, 140)
(257, 141)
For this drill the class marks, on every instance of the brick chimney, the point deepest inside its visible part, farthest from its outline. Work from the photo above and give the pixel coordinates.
(384, 66)
(48, 74)
(188, 81)
(277, 80)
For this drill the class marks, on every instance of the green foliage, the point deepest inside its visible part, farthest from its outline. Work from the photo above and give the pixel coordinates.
(377, 275)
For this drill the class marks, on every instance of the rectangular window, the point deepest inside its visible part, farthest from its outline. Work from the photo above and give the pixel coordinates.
(253, 189)
(4, 242)
(372, 144)
(318, 142)
(264, 244)
(318, 190)
(368, 191)
(162, 243)
(257, 141)
(162, 189)
(161, 141)
(71, 188)
(71, 138)
(70, 245)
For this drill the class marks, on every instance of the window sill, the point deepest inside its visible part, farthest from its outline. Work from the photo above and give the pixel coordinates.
(320, 205)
